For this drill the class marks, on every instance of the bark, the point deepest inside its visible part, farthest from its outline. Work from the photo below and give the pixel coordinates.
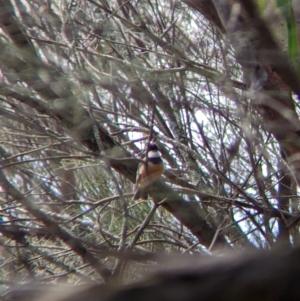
(253, 277)
(208, 10)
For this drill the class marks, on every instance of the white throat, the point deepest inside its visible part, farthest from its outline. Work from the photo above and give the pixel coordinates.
(154, 154)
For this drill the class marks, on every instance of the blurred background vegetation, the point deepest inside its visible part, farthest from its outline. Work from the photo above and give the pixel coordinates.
(83, 84)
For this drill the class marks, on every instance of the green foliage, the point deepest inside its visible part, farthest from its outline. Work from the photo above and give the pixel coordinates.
(286, 9)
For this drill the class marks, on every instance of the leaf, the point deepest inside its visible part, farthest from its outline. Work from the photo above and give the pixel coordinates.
(287, 12)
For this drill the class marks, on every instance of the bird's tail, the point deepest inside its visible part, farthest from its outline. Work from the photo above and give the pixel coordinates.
(140, 194)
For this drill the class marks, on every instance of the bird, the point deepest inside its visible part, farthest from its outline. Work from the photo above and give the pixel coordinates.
(148, 172)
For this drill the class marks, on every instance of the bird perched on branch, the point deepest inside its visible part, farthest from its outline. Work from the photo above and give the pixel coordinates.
(148, 172)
